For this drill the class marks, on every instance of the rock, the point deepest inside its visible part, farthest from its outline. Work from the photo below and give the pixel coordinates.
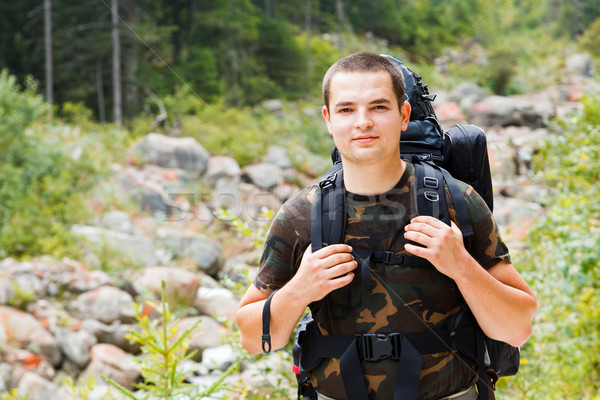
(118, 221)
(138, 248)
(76, 277)
(278, 156)
(216, 301)
(110, 361)
(529, 111)
(207, 255)
(206, 334)
(34, 387)
(580, 64)
(112, 334)
(184, 153)
(22, 328)
(264, 175)
(222, 167)
(75, 345)
(466, 94)
(105, 304)
(256, 200)
(181, 285)
(219, 358)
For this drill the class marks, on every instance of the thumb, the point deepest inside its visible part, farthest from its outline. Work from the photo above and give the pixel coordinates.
(455, 228)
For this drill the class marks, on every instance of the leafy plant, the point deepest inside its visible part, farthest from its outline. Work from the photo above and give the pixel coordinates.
(562, 261)
(164, 347)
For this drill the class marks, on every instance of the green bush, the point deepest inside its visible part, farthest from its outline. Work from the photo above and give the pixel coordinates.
(45, 172)
(562, 262)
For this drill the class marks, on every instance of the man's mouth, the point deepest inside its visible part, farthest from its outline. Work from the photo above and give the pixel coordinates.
(364, 139)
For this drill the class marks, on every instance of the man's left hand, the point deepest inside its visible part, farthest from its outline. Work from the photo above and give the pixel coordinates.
(442, 244)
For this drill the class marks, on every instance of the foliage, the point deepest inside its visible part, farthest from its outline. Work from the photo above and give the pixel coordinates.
(562, 261)
(247, 51)
(164, 347)
(45, 172)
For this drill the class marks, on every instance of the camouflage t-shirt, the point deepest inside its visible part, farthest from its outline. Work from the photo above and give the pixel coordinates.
(403, 299)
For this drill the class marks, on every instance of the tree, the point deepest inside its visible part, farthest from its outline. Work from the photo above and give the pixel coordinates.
(116, 64)
(48, 50)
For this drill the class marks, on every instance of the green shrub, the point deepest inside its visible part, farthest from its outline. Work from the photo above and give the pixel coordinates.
(562, 262)
(45, 172)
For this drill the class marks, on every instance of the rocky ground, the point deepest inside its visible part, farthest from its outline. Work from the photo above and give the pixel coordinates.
(67, 317)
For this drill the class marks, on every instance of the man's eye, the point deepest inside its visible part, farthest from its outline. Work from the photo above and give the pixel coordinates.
(344, 110)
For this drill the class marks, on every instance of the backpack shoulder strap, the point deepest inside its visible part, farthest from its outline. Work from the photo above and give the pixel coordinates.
(431, 196)
(328, 215)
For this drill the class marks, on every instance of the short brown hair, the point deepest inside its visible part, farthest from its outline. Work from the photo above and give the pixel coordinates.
(365, 62)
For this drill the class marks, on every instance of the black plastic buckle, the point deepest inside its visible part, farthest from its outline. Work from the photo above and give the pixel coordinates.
(376, 346)
(329, 181)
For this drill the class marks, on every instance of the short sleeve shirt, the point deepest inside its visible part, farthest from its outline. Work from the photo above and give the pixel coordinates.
(403, 299)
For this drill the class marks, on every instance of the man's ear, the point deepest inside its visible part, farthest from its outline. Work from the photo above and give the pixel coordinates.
(326, 116)
(405, 113)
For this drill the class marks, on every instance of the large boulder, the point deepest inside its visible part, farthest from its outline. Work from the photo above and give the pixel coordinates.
(105, 304)
(181, 285)
(184, 153)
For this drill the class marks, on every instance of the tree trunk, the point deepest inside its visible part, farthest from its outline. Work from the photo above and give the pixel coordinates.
(307, 29)
(116, 63)
(48, 51)
(100, 89)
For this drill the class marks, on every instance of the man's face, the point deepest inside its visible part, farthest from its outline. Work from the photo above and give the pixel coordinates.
(364, 118)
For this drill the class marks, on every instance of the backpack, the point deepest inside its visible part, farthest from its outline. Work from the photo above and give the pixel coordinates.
(438, 157)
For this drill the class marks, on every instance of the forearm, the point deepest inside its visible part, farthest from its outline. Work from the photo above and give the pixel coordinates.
(500, 300)
(286, 310)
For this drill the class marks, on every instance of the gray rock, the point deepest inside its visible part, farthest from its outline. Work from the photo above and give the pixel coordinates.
(216, 301)
(207, 333)
(184, 153)
(264, 175)
(112, 334)
(118, 221)
(139, 248)
(278, 155)
(105, 304)
(219, 358)
(207, 255)
(112, 362)
(466, 94)
(74, 345)
(222, 167)
(181, 285)
(529, 111)
(580, 64)
(34, 387)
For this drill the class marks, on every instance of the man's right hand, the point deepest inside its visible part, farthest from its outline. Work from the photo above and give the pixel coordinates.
(323, 271)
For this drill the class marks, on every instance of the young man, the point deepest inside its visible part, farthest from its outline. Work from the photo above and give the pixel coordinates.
(365, 113)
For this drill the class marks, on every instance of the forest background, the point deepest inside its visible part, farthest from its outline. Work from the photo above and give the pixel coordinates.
(120, 69)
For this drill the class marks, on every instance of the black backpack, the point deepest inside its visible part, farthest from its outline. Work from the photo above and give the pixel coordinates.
(438, 157)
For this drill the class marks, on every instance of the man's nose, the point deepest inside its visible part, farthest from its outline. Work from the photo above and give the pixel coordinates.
(364, 121)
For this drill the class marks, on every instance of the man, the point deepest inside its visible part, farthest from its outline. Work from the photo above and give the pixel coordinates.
(365, 113)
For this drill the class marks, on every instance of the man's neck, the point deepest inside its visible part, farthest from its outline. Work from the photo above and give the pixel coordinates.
(374, 178)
